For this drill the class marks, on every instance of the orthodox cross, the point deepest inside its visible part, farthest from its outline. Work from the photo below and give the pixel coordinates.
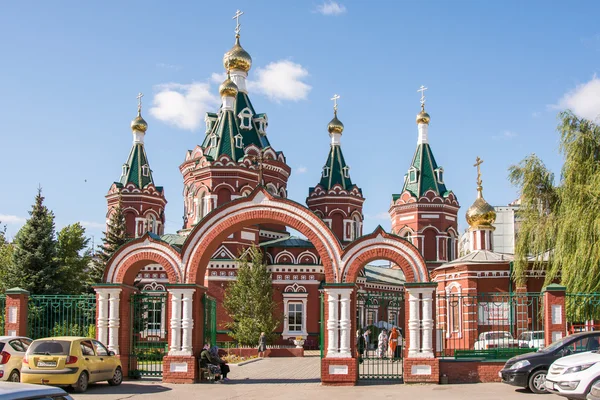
(335, 99)
(259, 161)
(422, 89)
(478, 162)
(139, 97)
(237, 16)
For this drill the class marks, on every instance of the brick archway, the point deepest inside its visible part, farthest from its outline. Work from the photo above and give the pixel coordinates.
(125, 264)
(259, 207)
(382, 245)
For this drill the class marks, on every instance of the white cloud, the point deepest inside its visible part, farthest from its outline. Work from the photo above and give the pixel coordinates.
(183, 105)
(218, 78)
(584, 100)
(94, 225)
(281, 80)
(301, 169)
(506, 135)
(11, 219)
(331, 8)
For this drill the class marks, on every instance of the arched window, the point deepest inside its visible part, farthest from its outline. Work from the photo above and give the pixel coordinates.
(451, 248)
(152, 224)
(357, 228)
(200, 206)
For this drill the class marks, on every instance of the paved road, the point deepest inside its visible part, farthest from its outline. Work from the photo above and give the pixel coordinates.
(271, 379)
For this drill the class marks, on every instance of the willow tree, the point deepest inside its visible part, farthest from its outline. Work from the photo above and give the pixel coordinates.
(561, 224)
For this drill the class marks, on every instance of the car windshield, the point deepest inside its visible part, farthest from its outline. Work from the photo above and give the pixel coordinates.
(556, 345)
(498, 335)
(50, 347)
(538, 335)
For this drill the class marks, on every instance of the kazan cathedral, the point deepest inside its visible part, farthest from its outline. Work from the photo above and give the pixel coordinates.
(236, 155)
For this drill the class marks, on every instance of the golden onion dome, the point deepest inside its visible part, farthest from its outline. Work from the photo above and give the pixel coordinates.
(481, 213)
(335, 125)
(237, 57)
(228, 88)
(423, 117)
(139, 124)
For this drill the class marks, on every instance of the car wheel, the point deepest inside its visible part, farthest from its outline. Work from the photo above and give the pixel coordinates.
(537, 381)
(14, 376)
(117, 377)
(82, 383)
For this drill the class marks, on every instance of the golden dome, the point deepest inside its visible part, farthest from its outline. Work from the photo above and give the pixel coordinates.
(481, 213)
(237, 57)
(228, 88)
(423, 117)
(138, 124)
(335, 125)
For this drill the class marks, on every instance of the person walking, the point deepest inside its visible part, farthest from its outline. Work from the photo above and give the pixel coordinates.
(360, 346)
(393, 342)
(367, 334)
(382, 343)
(262, 345)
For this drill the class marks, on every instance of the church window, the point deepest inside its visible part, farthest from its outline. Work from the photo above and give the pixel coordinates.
(145, 170)
(440, 175)
(239, 141)
(152, 224)
(214, 140)
(125, 169)
(412, 175)
(346, 171)
(371, 317)
(210, 120)
(393, 318)
(245, 117)
(272, 189)
(295, 311)
(262, 124)
(451, 255)
(326, 172)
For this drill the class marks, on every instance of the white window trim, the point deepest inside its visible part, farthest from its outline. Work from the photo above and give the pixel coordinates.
(214, 141)
(440, 175)
(145, 170)
(294, 298)
(239, 141)
(416, 172)
(245, 117)
(326, 172)
(346, 171)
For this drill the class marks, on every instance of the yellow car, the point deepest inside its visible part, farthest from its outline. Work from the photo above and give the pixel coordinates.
(70, 361)
(12, 350)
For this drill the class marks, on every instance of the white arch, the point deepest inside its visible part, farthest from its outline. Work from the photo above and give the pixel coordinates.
(307, 253)
(284, 253)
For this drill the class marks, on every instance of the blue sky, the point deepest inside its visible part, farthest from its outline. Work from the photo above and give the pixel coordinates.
(497, 73)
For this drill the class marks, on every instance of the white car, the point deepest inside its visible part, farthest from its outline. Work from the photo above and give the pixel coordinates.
(12, 351)
(531, 340)
(26, 391)
(573, 376)
(496, 340)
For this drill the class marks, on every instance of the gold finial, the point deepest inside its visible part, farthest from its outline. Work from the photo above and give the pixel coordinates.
(335, 125)
(138, 123)
(237, 16)
(335, 99)
(422, 89)
(477, 164)
(423, 117)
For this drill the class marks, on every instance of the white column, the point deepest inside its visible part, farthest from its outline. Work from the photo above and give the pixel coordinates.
(113, 320)
(413, 323)
(175, 321)
(345, 325)
(332, 323)
(427, 323)
(102, 323)
(187, 323)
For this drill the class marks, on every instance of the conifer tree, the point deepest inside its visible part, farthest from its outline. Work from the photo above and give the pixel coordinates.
(6, 251)
(73, 258)
(249, 300)
(114, 237)
(33, 264)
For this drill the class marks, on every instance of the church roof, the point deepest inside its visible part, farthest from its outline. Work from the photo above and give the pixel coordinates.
(422, 175)
(379, 274)
(288, 241)
(338, 172)
(134, 171)
(229, 125)
(173, 239)
(481, 257)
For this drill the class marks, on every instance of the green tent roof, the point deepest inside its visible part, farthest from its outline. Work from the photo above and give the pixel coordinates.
(137, 169)
(423, 174)
(335, 171)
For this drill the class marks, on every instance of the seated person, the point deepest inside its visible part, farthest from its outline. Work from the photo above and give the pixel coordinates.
(207, 362)
(215, 359)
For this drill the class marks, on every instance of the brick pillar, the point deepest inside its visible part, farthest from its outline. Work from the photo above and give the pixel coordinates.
(124, 334)
(15, 317)
(555, 322)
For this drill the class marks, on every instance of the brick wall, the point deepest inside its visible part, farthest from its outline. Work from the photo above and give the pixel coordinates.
(178, 375)
(471, 371)
(421, 370)
(16, 298)
(329, 367)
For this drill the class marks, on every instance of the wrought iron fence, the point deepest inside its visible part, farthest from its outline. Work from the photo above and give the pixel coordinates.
(61, 315)
(210, 320)
(488, 325)
(582, 312)
(2, 311)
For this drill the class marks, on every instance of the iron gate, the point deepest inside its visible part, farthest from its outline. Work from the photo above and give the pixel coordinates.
(377, 312)
(210, 320)
(149, 327)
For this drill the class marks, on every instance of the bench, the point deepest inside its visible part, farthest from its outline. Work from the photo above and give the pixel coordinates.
(207, 376)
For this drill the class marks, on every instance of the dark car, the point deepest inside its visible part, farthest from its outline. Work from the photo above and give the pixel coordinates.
(594, 392)
(529, 370)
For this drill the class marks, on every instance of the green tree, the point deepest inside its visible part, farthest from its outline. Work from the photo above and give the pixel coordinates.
(6, 254)
(561, 223)
(249, 300)
(114, 237)
(33, 264)
(73, 258)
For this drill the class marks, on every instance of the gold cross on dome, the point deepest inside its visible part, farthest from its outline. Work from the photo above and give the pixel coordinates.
(335, 99)
(422, 89)
(237, 16)
(139, 97)
(478, 162)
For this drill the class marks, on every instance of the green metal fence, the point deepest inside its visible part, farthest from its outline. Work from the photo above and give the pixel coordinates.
(210, 320)
(582, 311)
(2, 311)
(149, 329)
(488, 325)
(61, 315)
(381, 315)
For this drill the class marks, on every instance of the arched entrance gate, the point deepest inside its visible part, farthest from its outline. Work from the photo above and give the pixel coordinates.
(186, 271)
